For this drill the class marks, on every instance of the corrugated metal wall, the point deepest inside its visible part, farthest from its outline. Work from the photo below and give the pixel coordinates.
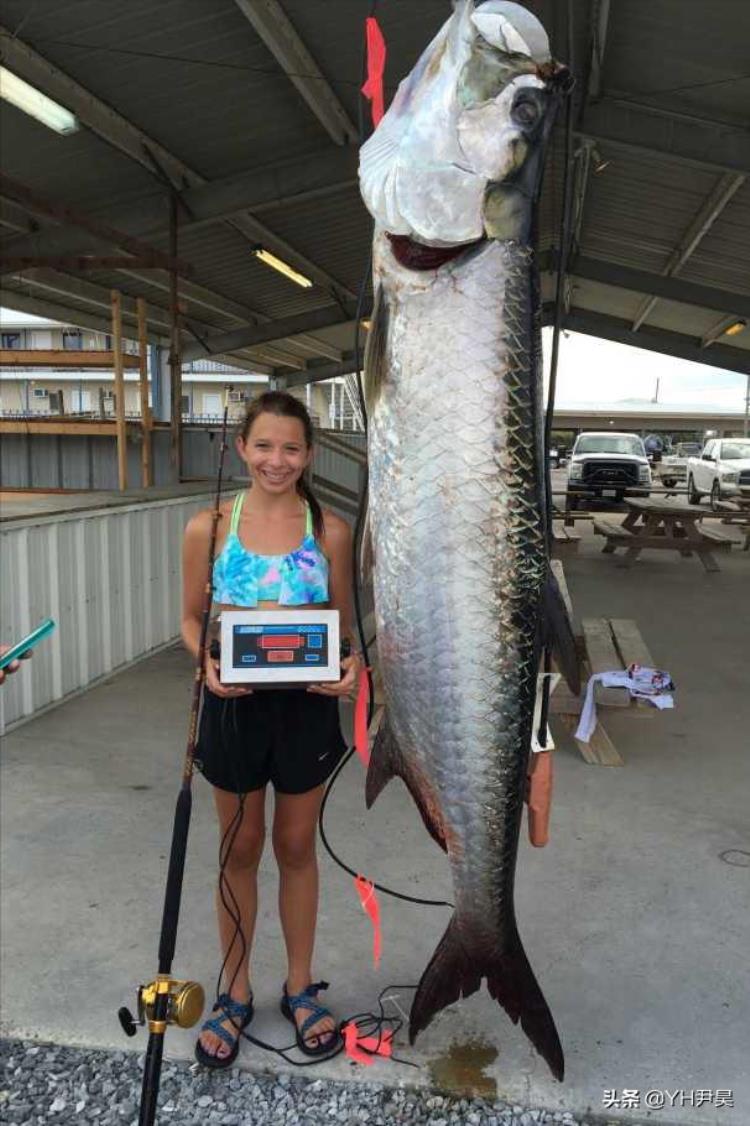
(111, 580)
(71, 461)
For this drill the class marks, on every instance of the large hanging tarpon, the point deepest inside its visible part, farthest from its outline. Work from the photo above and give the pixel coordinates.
(463, 595)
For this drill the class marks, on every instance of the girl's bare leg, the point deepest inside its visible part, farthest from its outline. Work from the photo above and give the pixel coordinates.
(294, 831)
(240, 889)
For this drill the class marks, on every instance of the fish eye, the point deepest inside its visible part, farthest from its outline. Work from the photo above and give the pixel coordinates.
(525, 113)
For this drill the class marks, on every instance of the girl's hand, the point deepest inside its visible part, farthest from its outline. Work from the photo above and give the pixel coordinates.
(349, 682)
(227, 691)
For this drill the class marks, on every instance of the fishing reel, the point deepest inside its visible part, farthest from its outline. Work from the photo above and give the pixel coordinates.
(185, 1003)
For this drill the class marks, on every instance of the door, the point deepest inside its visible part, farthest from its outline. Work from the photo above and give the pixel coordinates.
(80, 401)
(211, 403)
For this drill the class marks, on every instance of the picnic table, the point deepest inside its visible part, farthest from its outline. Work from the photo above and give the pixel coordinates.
(665, 526)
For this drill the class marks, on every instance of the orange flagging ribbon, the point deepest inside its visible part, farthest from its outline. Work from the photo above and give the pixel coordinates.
(376, 54)
(361, 741)
(369, 901)
(539, 797)
(372, 1045)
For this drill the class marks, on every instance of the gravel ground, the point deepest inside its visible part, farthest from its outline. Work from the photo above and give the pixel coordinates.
(48, 1083)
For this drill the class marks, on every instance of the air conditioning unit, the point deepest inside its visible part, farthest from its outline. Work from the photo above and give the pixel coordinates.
(236, 396)
(41, 393)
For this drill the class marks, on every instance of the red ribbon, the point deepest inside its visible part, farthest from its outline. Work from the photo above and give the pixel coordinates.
(369, 901)
(361, 740)
(376, 55)
(373, 1045)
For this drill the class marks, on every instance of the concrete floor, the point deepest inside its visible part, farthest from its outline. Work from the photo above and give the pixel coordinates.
(635, 918)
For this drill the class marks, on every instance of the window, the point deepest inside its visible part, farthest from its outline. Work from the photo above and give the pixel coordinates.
(11, 340)
(72, 340)
(185, 404)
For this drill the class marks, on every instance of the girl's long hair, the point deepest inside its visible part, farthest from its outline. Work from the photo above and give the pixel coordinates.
(284, 405)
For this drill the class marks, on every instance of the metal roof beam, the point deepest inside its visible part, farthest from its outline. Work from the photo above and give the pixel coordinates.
(135, 143)
(668, 288)
(250, 335)
(718, 329)
(23, 302)
(706, 216)
(328, 170)
(664, 133)
(661, 340)
(283, 41)
(318, 372)
(599, 29)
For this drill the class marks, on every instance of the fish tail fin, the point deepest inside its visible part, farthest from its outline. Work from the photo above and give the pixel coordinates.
(386, 762)
(453, 972)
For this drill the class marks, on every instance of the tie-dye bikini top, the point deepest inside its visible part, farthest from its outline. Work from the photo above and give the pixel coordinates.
(242, 578)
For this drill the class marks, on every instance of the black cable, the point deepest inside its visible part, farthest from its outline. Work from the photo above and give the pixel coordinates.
(562, 266)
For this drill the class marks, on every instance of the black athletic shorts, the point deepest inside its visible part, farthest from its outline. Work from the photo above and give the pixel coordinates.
(286, 736)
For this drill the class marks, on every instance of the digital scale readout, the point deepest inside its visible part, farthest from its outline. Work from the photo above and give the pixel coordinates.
(279, 646)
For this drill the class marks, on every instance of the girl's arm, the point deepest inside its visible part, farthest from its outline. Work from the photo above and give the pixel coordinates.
(194, 574)
(195, 546)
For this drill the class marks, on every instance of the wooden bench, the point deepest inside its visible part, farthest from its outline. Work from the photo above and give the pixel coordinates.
(737, 515)
(615, 534)
(605, 644)
(718, 538)
(564, 540)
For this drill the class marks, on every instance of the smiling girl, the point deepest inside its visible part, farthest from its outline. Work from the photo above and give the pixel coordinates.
(275, 548)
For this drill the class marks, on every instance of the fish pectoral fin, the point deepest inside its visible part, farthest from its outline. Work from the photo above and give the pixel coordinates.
(453, 972)
(557, 634)
(386, 762)
(376, 350)
(366, 549)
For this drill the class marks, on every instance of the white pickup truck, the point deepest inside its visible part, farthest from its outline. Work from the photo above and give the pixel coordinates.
(722, 471)
(605, 466)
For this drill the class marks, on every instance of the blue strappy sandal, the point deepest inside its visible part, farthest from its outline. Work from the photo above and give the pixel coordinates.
(240, 1016)
(327, 1041)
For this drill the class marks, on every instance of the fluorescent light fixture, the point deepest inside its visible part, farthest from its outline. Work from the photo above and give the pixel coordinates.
(727, 326)
(366, 325)
(32, 101)
(735, 328)
(282, 267)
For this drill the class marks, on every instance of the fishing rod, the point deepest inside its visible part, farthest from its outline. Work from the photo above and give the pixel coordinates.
(167, 1000)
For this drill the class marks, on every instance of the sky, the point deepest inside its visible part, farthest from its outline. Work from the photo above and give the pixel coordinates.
(600, 371)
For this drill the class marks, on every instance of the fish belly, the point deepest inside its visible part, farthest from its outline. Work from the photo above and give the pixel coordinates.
(459, 554)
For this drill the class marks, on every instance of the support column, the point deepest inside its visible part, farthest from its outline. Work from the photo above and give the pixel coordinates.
(147, 470)
(175, 359)
(158, 362)
(122, 446)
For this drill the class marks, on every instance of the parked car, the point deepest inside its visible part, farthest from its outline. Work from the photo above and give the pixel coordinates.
(721, 472)
(673, 466)
(605, 466)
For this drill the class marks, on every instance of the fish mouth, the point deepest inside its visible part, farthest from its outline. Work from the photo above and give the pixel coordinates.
(417, 256)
